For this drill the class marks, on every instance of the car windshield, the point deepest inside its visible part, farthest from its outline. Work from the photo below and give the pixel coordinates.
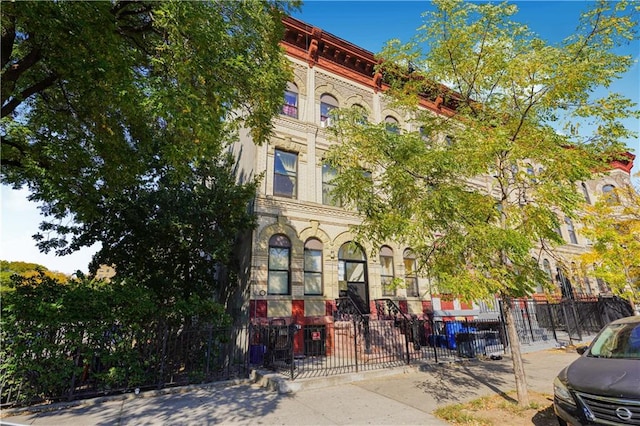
(617, 341)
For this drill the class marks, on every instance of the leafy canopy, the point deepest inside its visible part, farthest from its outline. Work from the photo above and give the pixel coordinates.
(613, 227)
(114, 111)
(481, 183)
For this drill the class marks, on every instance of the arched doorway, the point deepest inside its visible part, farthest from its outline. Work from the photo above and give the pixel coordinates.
(352, 275)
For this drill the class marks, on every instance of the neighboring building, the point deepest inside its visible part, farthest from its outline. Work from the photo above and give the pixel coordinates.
(301, 256)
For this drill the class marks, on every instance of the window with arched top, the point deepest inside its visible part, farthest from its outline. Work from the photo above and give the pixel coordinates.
(279, 280)
(290, 106)
(386, 271)
(327, 103)
(362, 117)
(609, 194)
(391, 124)
(411, 273)
(313, 267)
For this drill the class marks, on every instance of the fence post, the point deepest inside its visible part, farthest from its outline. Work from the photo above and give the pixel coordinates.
(408, 329)
(553, 322)
(526, 309)
(434, 341)
(355, 341)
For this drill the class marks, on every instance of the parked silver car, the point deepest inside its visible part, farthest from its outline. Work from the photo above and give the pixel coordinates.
(603, 385)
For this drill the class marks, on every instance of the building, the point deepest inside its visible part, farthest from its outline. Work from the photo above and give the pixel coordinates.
(301, 256)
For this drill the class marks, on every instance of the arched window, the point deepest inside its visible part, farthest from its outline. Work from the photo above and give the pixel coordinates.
(313, 267)
(391, 124)
(362, 114)
(386, 271)
(572, 232)
(609, 194)
(585, 192)
(279, 281)
(327, 103)
(290, 107)
(411, 273)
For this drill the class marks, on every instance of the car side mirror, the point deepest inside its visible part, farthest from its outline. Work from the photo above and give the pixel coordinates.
(582, 349)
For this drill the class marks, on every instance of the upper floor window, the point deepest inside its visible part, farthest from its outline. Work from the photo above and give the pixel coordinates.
(279, 280)
(609, 194)
(386, 271)
(327, 103)
(313, 267)
(411, 273)
(391, 124)
(556, 226)
(285, 173)
(572, 232)
(290, 107)
(530, 170)
(328, 174)
(362, 117)
(585, 192)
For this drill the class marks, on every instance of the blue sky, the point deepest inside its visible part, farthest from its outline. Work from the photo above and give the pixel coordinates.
(368, 24)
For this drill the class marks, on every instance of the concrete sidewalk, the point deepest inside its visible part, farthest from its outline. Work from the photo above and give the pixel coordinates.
(391, 397)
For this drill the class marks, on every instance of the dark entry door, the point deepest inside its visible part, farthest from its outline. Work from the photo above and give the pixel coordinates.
(352, 275)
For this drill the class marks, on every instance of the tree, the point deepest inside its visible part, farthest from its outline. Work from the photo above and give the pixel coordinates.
(27, 270)
(613, 227)
(476, 189)
(111, 107)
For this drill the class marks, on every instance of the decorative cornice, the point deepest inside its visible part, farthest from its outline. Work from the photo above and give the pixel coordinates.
(338, 56)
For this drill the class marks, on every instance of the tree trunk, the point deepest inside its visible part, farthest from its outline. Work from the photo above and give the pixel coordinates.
(516, 355)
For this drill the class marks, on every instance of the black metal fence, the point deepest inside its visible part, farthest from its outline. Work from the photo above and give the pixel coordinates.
(124, 360)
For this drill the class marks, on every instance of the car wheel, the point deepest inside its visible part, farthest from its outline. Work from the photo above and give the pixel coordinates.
(561, 422)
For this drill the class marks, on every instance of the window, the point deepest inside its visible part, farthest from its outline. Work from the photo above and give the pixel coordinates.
(585, 192)
(530, 170)
(410, 273)
(290, 107)
(362, 114)
(284, 175)
(386, 271)
(327, 103)
(576, 277)
(546, 267)
(313, 267)
(609, 194)
(391, 124)
(328, 174)
(279, 265)
(572, 232)
(556, 227)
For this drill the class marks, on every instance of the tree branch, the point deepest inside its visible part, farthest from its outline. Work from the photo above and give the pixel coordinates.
(15, 101)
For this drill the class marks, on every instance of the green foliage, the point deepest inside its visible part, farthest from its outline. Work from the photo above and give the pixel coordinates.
(110, 334)
(7, 269)
(128, 128)
(480, 190)
(613, 226)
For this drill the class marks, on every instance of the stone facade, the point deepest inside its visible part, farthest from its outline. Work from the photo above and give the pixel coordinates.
(326, 65)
